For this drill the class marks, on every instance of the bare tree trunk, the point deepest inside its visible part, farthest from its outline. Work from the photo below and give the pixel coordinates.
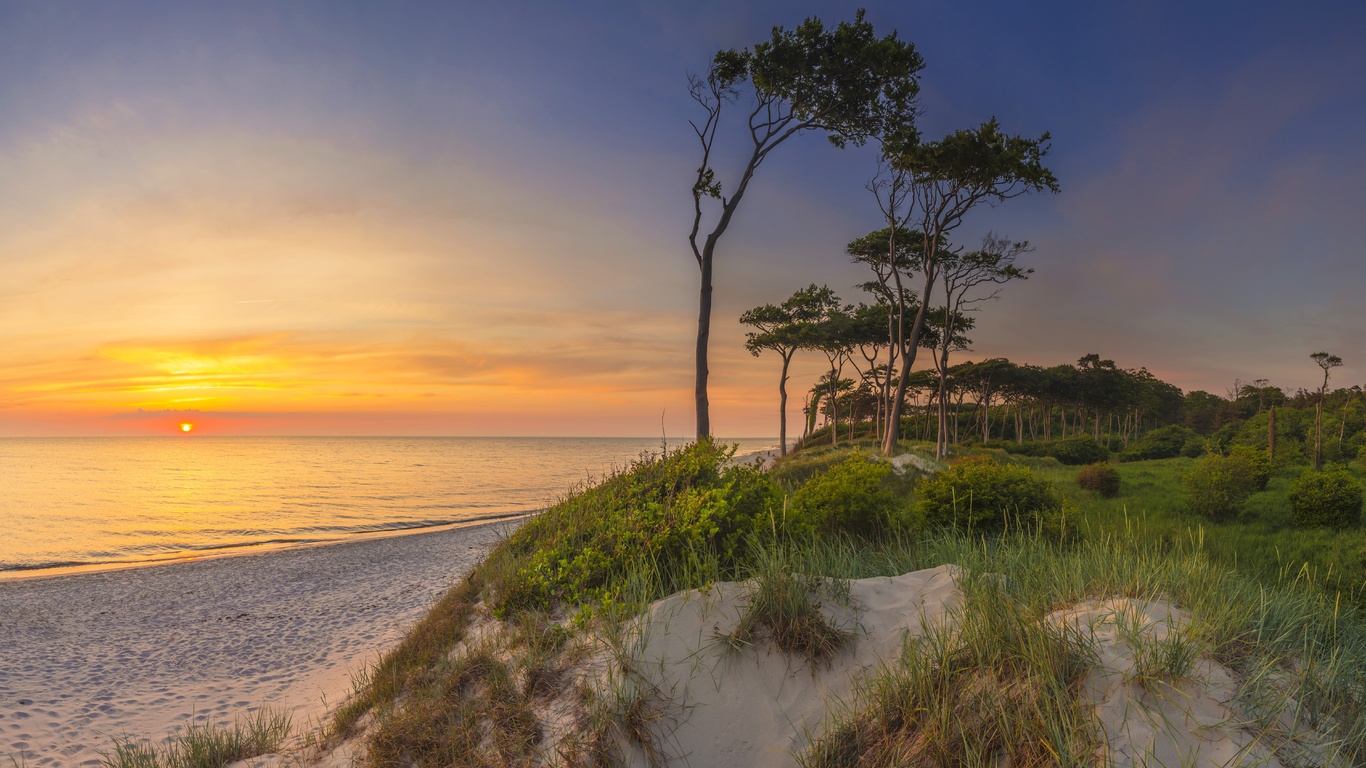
(782, 408)
(907, 352)
(1271, 434)
(1318, 434)
(703, 336)
(986, 418)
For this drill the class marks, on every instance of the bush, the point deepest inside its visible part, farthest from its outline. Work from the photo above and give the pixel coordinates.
(666, 509)
(853, 497)
(1101, 477)
(1162, 443)
(1252, 465)
(1216, 486)
(1330, 498)
(1194, 448)
(982, 496)
(1078, 450)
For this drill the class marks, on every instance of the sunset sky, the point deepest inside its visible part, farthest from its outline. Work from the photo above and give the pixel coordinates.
(471, 219)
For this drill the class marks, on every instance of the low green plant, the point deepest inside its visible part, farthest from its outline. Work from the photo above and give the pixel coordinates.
(1074, 451)
(671, 509)
(1252, 465)
(853, 497)
(1162, 443)
(1101, 477)
(1216, 487)
(784, 606)
(1330, 498)
(985, 497)
(1194, 448)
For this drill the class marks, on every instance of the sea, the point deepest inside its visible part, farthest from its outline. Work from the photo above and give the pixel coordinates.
(116, 501)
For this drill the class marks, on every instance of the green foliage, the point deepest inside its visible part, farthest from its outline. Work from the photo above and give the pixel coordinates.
(852, 497)
(1075, 451)
(984, 497)
(1162, 443)
(668, 509)
(1100, 477)
(1078, 450)
(1331, 498)
(1252, 465)
(1216, 487)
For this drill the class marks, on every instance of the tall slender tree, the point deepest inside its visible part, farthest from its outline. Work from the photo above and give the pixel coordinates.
(962, 277)
(784, 329)
(1327, 362)
(939, 183)
(844, 82)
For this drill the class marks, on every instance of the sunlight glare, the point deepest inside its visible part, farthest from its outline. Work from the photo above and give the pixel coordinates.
(186, 427)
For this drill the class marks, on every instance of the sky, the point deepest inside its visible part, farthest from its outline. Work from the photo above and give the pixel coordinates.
(470, 219)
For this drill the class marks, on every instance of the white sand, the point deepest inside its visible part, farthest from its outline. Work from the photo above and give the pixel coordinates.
(141, 652)
(759, 706)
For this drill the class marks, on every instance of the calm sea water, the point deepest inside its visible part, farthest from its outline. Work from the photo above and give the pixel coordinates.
(87, 501)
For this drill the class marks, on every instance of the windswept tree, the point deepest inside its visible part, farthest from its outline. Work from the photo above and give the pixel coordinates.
(844, 82)
(931, 187)
(834, 335)
(945, 333)
(868, 334)
(784, 329)
(967, 280)
(889, 254)
(1327, 362)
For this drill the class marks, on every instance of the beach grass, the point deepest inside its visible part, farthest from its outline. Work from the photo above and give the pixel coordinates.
(570, 581)
(207, 745)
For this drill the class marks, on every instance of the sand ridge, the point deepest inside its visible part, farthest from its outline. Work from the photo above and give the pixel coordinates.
(758, 706)
(140, 652)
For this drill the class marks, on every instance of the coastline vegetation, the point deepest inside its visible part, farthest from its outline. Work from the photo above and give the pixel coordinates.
(207, 745)
(475, 682)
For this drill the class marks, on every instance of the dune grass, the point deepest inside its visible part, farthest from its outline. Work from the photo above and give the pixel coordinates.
(206, 746)
(1005, 684)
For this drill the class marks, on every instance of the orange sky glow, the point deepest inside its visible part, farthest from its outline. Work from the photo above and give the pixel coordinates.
(443, 220)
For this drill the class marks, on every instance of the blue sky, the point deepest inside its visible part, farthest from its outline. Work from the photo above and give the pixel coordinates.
(474, 216)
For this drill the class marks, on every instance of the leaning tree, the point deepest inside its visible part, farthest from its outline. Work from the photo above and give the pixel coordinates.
(931, 187)
(844, 82)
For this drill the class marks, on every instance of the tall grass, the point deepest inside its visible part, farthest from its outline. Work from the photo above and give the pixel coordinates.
(206, 746)
(1004, 684)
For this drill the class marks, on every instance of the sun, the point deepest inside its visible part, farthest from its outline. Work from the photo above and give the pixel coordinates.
(186, 427)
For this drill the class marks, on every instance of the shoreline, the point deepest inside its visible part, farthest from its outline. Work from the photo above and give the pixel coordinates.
(251, 550)
(142, 651)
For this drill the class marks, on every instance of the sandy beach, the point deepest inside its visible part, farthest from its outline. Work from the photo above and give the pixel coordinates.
(141, 652)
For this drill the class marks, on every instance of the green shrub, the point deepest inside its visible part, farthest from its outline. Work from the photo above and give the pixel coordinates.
(1082, 449)
(982, 496)
(667, 509)
(1027, 448)
(1216, 486)
(1100, 477)
(853, 496)
(1252, 465)
(1162, 443)
(1194, 448)
(1330, 498)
